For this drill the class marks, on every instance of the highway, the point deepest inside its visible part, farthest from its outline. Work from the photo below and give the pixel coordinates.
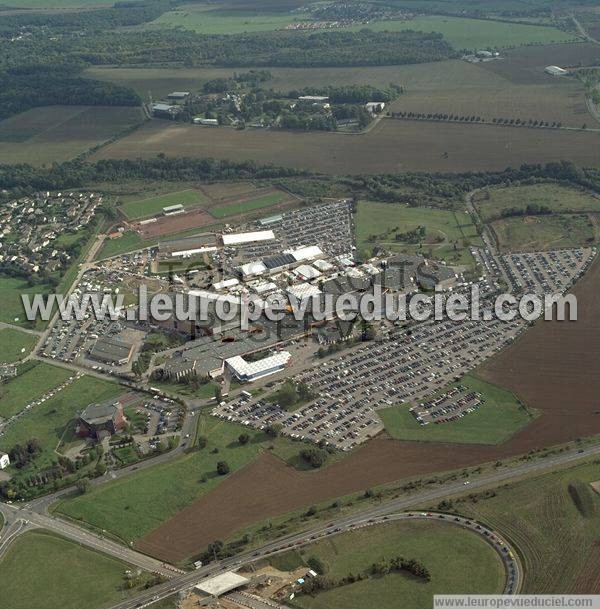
(371, 512)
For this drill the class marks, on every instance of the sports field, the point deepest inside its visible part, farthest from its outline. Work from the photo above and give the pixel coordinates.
(491, 202)
(536, 233)
(557, 542)
(448, 233)
(493, 422)
(57, 133)
(459, 562)
(139, 208)
(65, 575)
(246, 205)
(38, 379)
(15, 345)
(48, 421)
(392, 145)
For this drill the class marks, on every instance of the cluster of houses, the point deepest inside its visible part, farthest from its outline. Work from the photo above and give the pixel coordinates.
(31, 227)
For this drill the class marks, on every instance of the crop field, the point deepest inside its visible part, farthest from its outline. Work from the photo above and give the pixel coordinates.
(536, 233)
(494, 422)
(392, 145)
(558, 544)
(48, 421)
(246, 205)
(562, 101)
(58, 133)
(380, 223)
(65, 574)
(560, 199)
(15, 345)
(526, 65)
(17, 392)
(425, 76)
(459, 562)
(149, 207)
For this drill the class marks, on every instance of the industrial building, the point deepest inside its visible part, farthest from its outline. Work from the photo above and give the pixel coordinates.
(112, 351)
(555, 71)
(248, 371)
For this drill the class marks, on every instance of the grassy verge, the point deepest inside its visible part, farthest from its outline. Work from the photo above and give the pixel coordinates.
(15, 345)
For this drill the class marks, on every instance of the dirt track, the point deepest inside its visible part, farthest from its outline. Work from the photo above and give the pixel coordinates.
(173, 224)
(554, 367)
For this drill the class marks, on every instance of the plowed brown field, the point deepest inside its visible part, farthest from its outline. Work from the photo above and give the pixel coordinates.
(554, 367)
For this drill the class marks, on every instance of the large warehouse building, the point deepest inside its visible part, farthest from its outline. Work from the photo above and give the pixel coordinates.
(246, 371)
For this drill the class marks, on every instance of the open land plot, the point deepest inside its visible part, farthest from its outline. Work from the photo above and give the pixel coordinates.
(247, 205)
(459, 561)
(223, 191)
(425, 76)
(526, 65)
(492, 202)
(551, 368)
(138, 208)
(557, 543)
(538, 233)
(49, 421)
(392, 145)
(15, 345)
(448, 233)
(17, 392)
(134, 506)
(65, 574)
(500, 417)
(562, 101)
(57, 133)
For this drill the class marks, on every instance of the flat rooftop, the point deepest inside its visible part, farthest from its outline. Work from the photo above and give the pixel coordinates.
(216, 586)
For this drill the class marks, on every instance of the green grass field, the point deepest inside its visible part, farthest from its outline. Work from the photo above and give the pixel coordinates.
(17, 392)
(15, 345)
(65, 575)
(232, 209)
(459, 561)
(204, 21)
(560, 199)
(50, 420)
(478, 33)
(557, 544)
(492, 423)
(149, 207)
(535, 233)
(379, 223)
(11, 305)
(133, 506)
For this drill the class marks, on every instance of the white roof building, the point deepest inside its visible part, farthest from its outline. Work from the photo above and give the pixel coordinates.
(221, 584)
(4, 460)
(251, 371)
(555, 71)
(239, 238)
(188, 253)
(252, 269)
(307, 253)
(303, 290)
(226, 283)
(306, 272)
